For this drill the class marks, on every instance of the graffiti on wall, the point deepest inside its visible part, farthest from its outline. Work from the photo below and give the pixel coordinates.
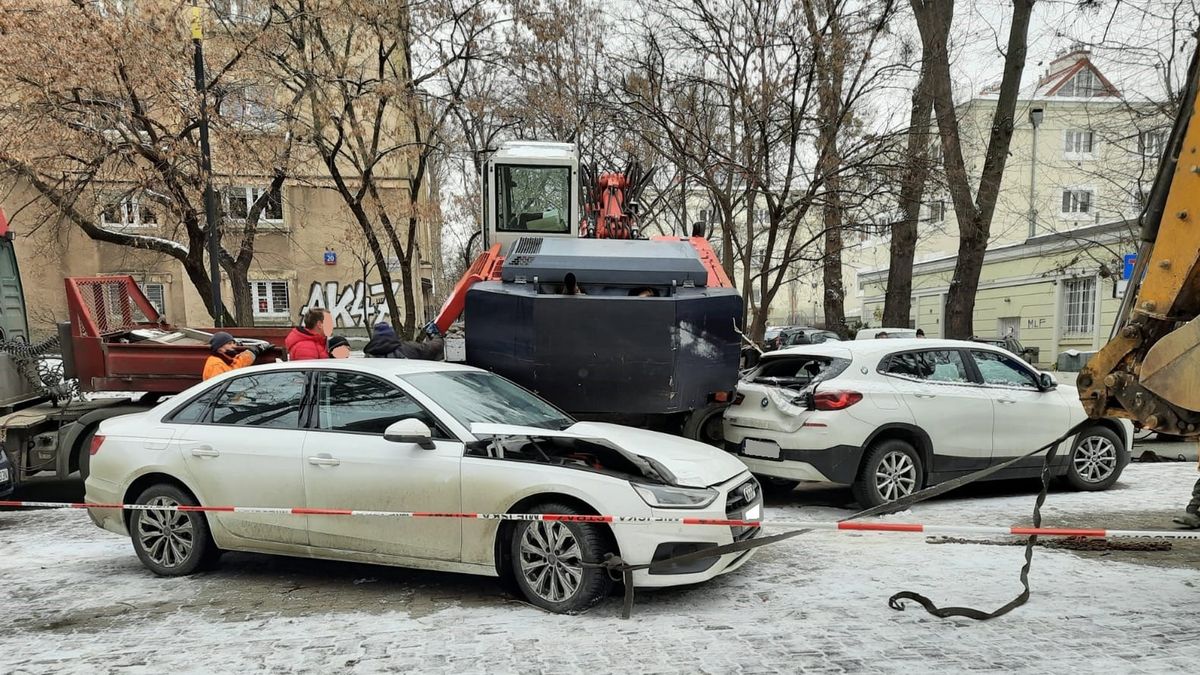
(349, 304)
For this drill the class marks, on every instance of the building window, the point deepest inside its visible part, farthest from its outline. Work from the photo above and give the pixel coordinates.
(704, 216)
(156, 294)
(270, 299)
(128, 212)
(1084, 84)
(249, 107)
(242, 10)
(1080, 306)
(1076, 202)
(1152, 143)
(1078, 143)
(1138, 195)
(937, 211)
(240, 199)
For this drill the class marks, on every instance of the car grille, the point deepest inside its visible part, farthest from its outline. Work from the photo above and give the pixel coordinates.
(741, 499)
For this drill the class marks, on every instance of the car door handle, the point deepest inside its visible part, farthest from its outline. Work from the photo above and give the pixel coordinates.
(324, 459)
(1009, 401)
(205, 451)
(925, 395)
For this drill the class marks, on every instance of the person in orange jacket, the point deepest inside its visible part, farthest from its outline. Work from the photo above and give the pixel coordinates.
(225, 356)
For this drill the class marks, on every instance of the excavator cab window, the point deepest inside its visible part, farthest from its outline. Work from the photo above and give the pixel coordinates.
(533, 199)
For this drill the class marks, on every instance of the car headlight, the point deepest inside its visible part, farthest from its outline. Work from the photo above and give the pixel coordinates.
(668, 497)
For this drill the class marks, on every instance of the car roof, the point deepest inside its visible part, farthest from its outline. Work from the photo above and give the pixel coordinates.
(376, 366)
(867, 348)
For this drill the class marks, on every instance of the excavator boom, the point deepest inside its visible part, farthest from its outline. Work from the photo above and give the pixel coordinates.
(1149, 370)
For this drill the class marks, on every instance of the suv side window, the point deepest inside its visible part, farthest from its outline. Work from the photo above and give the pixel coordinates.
(1002, 370)
(940, 365)
(356, 403)
(270, 400)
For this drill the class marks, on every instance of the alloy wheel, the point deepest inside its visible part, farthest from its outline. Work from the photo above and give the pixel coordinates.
(551, 561)
(896, 476)
(1095, 459)
(166, 536)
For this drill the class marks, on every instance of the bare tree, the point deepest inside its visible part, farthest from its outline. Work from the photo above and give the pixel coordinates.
(106, 136)
(897, 304)
(974, 211)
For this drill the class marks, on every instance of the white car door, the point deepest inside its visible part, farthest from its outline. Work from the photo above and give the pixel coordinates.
(953, 410)
(348, 465)
(1026, 417)
(243, 448)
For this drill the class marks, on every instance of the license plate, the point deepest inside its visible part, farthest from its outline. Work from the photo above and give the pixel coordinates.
(3, 475)
(764, 449)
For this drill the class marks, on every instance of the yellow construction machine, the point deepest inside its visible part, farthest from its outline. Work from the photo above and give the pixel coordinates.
(1149, 370)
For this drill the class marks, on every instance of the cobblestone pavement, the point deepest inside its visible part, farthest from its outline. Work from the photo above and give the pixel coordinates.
(76, 599)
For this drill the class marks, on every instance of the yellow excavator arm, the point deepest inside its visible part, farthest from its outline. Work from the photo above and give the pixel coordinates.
(1149, 370)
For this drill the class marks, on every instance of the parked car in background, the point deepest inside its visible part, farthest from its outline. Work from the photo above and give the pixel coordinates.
(408, 435)
(801, 335)
(8, 476)
(892, 333)
(889, 417)
(1011, 343)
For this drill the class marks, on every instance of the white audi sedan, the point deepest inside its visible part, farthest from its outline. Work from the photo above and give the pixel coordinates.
(889, 417)
(412, 436)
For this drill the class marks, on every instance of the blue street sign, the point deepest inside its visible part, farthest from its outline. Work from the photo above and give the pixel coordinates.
(330, 258)
(1130, 261)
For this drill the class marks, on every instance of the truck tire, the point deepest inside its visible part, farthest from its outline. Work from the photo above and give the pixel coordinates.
(705, 425)
(546, 559)
(171, 543)
(84, 451)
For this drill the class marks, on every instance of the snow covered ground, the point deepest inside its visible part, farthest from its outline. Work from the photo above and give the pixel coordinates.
(75, 599)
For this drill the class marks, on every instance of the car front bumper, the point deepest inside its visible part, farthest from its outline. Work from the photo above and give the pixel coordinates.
(645, 543)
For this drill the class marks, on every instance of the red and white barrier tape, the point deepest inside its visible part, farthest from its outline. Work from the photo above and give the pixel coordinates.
(843, 526)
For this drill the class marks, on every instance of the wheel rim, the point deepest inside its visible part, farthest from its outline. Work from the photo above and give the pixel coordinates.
(896, 476)
(1095, 459)
(551, 561)
(166, 536)
(713, 429)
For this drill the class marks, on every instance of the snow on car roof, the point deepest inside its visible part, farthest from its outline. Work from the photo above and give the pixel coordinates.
(874, 347)
(378, 366)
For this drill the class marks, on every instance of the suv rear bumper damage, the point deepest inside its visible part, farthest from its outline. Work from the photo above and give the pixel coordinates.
(836, 464)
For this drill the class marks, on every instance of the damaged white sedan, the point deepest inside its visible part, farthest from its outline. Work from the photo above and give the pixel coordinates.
(413, 436)
(889, 417)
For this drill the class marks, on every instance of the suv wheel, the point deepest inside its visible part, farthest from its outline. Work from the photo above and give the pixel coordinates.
(891, 470)
(1096, 460)
(171, 543)
(547, 561)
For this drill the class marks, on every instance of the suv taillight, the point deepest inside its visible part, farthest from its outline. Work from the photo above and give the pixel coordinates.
(97, 441)
(835, 400)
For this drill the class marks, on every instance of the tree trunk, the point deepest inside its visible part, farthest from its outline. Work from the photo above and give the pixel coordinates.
(835, 292)
(974, 215)
(897, 303)
(243, 301)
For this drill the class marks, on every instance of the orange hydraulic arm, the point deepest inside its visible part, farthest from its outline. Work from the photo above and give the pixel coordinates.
(485, 268)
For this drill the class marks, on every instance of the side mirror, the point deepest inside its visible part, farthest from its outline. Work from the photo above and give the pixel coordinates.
(410, 431)
(1046, 381)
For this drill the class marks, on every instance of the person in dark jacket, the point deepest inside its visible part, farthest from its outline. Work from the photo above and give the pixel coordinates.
(339, 347)
(385, 344)
(308, 340)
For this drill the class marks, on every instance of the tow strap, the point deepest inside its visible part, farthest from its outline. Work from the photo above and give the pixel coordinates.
(615, 565)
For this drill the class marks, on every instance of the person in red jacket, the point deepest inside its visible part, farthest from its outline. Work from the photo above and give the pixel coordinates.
(308, 341)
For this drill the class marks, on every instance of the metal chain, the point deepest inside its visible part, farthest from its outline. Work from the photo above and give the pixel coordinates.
(44, 374)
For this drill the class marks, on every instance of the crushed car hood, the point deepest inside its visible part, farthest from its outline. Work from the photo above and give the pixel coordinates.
(693, 464)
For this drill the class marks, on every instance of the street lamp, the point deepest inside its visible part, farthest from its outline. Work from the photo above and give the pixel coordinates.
(1035, 119)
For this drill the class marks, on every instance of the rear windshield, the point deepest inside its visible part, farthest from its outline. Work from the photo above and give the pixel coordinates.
(798, 372)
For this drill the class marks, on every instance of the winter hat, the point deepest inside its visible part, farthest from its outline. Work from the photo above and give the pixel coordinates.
(336, 341)
(384, 330)
(219, 340)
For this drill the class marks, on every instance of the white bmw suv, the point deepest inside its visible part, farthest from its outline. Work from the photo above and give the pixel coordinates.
(890, 417)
